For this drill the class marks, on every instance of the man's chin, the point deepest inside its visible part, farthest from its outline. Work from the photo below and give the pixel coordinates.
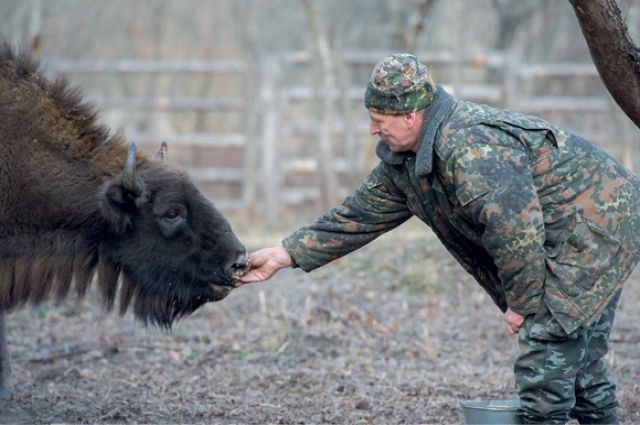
(391, 147)
(395, 149)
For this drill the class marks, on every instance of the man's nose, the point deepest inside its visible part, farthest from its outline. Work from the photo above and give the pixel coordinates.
(373, 129)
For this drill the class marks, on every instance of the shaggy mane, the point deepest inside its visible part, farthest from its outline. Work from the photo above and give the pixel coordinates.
(57, 104)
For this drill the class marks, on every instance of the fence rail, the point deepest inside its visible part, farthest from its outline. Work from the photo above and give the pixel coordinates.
(131, 66)
(172, 104)
(187, 140)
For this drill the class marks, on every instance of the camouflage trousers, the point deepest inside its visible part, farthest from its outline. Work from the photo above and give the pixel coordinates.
(561, 376)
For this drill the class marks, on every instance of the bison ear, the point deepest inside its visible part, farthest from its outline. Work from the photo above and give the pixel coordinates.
(119, 205)
(123, 196)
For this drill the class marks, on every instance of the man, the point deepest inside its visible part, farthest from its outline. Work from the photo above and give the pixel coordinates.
(548, 224)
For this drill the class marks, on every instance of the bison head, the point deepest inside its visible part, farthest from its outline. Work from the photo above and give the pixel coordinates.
(174, 249)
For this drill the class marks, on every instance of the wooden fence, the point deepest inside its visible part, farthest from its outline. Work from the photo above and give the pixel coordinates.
(266, 164)
(215, 160)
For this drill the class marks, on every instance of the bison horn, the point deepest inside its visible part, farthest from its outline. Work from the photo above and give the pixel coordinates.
(162, 153)
(130, 181)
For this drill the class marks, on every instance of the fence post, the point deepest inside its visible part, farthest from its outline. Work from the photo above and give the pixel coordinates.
(251, 144)
(624, 131)
(509, 81)
(270, 105)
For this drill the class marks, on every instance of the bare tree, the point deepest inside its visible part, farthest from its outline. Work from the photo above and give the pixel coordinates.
(408, 34)
(511, 16)
(615, 55)
(329, 184)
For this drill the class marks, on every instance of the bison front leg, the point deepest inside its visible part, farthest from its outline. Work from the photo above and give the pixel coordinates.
(5, 364)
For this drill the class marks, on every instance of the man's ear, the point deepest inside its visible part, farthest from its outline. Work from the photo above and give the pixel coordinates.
(411, 118)
(118, 206)
(414, 119)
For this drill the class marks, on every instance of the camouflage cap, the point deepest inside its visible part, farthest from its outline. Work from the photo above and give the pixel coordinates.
(399, 84)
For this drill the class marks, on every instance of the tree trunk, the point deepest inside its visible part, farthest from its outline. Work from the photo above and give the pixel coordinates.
(411, 23)
(615, 55)
(328, 183)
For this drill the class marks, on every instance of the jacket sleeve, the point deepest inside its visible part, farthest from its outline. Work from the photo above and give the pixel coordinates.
(495, 189)
(376, 207)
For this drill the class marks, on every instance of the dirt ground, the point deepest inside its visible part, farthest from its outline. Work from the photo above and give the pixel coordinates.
(393, 333)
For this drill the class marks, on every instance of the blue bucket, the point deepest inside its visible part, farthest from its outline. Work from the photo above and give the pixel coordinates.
(491, 411)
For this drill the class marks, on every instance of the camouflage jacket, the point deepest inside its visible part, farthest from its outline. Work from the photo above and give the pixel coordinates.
(534, 213)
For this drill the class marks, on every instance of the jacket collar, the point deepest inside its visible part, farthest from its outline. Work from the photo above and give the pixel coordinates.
(435, 114)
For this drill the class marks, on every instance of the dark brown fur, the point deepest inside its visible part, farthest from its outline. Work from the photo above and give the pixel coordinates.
(65, 214)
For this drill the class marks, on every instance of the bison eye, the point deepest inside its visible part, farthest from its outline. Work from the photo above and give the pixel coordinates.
(171, 215)
(172, 221)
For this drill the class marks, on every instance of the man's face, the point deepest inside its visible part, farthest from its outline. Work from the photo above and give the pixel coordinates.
(398, 132)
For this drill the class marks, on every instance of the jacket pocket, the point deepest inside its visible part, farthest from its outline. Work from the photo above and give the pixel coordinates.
(583, 257)
(536, 128)
(542, 326)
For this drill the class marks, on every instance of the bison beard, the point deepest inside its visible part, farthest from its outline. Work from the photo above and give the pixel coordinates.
(73, 207)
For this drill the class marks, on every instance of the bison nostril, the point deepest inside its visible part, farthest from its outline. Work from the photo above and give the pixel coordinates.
(239, 265)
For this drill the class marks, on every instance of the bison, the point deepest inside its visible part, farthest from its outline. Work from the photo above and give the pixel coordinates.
(77, 201)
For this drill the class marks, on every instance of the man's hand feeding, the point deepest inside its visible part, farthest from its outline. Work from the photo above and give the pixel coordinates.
(264, 263)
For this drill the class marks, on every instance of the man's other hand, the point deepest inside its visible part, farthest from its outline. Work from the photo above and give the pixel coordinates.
(514, 321)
